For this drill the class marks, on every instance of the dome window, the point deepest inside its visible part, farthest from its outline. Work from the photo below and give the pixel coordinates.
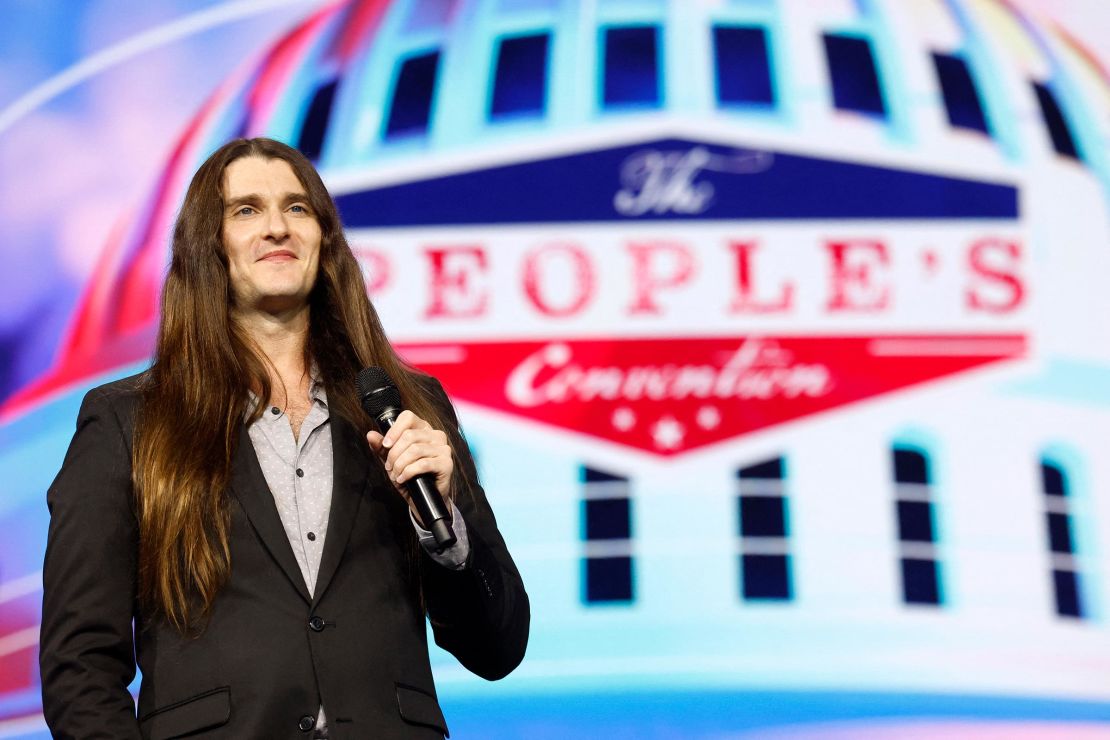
(917, 532)
(410, 109)
(607, 536)
(520, 79)
(631, 67)
(743, 66)
(855, 79)
(1058, 130)
(764, 532)
(961, 99)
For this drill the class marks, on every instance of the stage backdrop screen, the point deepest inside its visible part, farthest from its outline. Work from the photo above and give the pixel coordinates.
(779, 329)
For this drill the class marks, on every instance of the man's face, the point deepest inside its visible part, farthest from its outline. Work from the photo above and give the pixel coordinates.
(270, 234)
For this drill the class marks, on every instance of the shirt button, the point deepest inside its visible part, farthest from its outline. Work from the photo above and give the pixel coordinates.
(306, 723)
(275, 410)
(316, 624)
(311, 536)
(300, 473)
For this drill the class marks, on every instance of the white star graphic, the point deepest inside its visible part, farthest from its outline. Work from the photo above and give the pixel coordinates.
(709, 417)
(623, 419)
(668, 433)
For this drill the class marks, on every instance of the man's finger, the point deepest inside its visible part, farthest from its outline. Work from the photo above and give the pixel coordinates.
(402, 443)
(430, 465)
(406, 420)
(375, 441)
(437, 455)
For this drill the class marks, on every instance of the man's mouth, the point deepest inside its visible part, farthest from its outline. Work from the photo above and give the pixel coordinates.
(278, 255)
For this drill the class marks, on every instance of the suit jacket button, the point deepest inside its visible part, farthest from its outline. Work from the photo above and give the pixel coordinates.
(316, 624)
(306, 723)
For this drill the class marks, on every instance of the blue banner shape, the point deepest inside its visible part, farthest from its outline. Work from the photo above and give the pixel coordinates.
(674, 179)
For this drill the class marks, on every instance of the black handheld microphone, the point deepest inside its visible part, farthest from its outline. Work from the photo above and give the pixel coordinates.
(381, 399)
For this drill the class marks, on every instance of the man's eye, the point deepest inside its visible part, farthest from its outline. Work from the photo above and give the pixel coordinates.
(298, 209)
(245, 211)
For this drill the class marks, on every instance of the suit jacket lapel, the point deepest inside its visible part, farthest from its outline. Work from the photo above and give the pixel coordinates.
(350, 458)
(249, 486)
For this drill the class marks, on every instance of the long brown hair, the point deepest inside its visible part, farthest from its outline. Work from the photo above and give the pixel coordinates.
(196, 395)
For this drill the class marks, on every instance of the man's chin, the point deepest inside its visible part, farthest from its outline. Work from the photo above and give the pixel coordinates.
(275, 302)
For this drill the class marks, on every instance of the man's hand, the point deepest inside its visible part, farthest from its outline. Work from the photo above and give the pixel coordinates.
(412, 448)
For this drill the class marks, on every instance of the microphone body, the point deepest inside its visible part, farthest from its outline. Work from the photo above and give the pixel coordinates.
(381, 399)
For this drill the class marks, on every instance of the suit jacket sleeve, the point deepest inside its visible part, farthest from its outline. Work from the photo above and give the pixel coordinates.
(87, 646)
(480, 614)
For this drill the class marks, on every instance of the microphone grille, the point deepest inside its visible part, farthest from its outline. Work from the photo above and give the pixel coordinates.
(376, 391)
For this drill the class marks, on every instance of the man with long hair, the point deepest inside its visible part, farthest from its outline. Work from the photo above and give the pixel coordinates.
(229, 520)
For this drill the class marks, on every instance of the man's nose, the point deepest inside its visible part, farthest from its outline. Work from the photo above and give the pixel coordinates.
(276, 226)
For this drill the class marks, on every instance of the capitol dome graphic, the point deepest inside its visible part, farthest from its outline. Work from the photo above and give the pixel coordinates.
(776, 328)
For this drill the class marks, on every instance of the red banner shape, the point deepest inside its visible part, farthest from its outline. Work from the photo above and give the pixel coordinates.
(672, 395)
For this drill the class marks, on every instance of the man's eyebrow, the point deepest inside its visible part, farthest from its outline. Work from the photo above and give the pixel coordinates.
(248, 198)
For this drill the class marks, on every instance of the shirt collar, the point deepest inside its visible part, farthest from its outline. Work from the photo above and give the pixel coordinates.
(316, 392)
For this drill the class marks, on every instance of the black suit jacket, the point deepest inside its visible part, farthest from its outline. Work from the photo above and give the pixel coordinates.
(270, 654)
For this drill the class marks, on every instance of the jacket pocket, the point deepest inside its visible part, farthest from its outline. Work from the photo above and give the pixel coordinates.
(418, 707)
(201, 712)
